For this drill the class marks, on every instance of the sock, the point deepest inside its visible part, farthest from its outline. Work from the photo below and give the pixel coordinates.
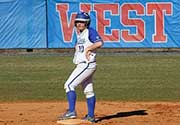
(91, 105)
(71, 96)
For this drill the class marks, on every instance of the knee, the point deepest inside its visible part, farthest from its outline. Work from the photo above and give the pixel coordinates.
(69, 87)
(88, 91)
(89, 94)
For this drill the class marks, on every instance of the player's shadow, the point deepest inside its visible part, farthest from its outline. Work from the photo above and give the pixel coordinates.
(122, 114)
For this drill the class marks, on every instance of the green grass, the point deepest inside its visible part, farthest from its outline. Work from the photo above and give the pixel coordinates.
(126, 78)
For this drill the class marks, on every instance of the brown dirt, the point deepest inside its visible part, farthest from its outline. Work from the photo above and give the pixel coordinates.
(108, 113)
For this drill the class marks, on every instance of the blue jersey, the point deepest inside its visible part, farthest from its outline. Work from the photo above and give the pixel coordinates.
(85, 39)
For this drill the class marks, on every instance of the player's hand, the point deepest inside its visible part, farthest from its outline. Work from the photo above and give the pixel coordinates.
(88, 53)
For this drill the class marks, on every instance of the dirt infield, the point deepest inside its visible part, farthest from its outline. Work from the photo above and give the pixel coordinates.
(108, 113)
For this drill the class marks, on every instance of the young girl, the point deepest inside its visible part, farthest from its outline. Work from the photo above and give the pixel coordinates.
(88, 41)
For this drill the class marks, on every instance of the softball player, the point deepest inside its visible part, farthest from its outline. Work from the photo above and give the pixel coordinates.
(88, 40)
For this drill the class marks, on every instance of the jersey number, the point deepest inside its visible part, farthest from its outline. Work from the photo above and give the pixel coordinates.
(81, 48)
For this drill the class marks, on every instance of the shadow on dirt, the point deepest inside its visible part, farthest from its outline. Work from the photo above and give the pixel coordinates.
(122, 114)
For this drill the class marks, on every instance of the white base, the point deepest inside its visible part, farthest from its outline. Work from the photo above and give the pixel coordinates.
(71, 122)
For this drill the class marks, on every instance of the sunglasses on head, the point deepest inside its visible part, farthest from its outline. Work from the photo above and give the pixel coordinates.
(80, 22)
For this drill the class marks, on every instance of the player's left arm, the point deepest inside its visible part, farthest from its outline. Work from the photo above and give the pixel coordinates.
(96, 40)
(93, 47)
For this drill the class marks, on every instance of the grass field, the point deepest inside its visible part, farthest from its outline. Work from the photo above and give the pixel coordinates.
(123, 77)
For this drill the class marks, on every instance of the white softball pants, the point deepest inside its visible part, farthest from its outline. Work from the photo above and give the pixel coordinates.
(82, 75)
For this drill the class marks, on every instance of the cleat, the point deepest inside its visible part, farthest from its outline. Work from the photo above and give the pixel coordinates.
(68, 115)
(89, 119)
